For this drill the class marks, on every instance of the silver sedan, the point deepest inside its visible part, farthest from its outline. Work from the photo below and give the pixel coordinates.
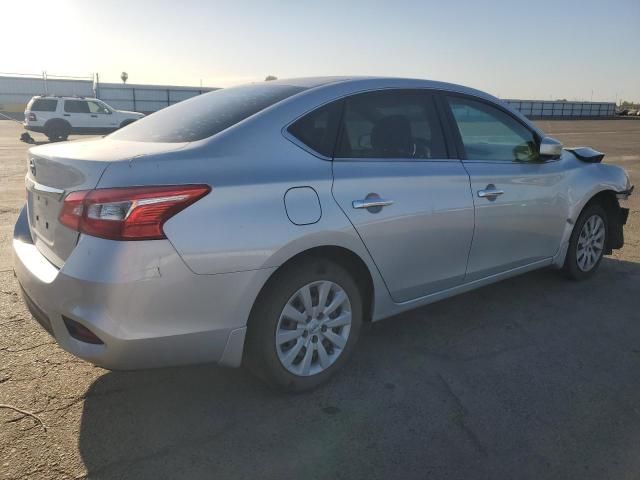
(264, 224)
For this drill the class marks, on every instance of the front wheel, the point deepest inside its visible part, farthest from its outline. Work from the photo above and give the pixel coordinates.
(587, 244)
(305, 326)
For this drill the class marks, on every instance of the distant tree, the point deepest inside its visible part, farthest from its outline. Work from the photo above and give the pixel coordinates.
(270, 77)
(124, 76)
(561, 100)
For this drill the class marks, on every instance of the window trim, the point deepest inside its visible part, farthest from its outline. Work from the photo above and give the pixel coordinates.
(455, 131)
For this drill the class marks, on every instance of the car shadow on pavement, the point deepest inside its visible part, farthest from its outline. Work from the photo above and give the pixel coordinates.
(534, 377)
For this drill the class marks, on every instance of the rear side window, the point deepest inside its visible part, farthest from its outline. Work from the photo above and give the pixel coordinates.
(205, 115)
(318, 129)
(391, 124)
(76, 106)
(44, 105)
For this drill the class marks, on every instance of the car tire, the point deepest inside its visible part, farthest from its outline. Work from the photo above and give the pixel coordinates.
(125, 123)
(588, 243)
(57, 130)
(310, 359)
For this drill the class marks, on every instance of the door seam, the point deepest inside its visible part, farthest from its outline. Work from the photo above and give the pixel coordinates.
(473, 232)
(333, 179)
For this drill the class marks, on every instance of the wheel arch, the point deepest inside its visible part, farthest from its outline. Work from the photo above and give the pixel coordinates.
(345, 257)
(609, 201)
(606, 196)
(125, 122)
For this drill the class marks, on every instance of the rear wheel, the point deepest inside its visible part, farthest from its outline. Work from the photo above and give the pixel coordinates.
(588, 242)
(57, 130)
(305, 326)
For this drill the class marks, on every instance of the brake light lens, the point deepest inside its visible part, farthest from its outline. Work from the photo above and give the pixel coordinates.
(32, 117)
(132, 213)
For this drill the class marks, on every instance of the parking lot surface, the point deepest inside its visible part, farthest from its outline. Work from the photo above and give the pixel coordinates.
(534, 377)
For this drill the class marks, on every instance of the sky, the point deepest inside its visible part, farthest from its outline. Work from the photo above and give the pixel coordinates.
(542, 49)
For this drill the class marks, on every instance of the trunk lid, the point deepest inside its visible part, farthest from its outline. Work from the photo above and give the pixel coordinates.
(53, 171)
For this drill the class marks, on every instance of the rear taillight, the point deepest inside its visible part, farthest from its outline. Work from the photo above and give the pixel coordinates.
(32, 117)
(132, 213)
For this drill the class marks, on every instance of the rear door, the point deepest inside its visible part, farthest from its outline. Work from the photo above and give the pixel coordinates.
(520, 206)
(409, 202)
(76, 112)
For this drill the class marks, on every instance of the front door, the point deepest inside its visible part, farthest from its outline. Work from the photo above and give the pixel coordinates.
(520, 208)
(408, 201)
(102, 118)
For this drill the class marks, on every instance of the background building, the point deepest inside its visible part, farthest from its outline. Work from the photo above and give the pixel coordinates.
(16, 90)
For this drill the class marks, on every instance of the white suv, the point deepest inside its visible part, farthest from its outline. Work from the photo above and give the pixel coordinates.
(58, 117)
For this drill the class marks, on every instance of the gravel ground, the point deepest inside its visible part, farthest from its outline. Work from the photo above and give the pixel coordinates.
(535, 377)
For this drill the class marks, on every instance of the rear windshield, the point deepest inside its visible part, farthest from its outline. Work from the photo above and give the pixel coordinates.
(205, 115)
(44, 105)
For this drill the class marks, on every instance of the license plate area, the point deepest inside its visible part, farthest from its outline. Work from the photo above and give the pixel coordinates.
(43, 214)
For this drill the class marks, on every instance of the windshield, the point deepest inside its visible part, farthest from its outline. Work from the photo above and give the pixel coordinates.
(205, 115)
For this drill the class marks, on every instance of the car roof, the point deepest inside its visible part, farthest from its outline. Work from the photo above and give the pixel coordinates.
(354, 84)
(380, 81)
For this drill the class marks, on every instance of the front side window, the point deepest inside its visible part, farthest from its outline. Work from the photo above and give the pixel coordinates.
(318, 129)
(76, 106)
(97, 107)
(488, 133)
(44, 105)
(391, 124)
(205, 115)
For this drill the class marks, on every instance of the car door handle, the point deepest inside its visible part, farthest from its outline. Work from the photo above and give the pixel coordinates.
(66, 114)
(490, 193)
(371, 203)
(94, 116)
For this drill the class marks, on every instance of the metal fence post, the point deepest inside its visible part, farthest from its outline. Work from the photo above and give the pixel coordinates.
(133, 90)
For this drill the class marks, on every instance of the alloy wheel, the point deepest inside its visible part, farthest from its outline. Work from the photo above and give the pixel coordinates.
(590, 243)
(313, 328)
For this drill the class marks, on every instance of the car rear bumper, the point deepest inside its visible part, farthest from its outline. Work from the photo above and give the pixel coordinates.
(139, 299)
(34, 128)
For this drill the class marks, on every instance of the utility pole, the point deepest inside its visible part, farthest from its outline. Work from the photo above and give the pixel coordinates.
(96, 84)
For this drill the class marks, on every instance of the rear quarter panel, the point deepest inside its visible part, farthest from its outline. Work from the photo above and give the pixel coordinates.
(242, 224)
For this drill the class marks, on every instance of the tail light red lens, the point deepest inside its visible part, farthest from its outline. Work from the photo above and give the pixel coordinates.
(132, 213)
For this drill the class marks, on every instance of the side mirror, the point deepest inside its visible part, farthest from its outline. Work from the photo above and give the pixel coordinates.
(550, 147)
